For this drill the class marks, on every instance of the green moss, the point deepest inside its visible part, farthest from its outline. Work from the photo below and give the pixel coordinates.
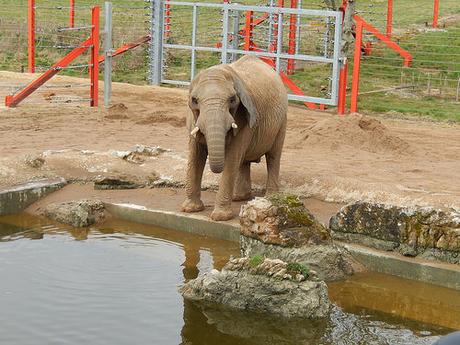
(293, 208)
(296, 268)
(256, 260)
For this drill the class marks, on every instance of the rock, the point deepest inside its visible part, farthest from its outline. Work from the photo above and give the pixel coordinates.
(328, 261)
(81, 213)
(140, 152)
(34, 161)
(410, 231)
(282, 220)
(115, 182)
(258, 285)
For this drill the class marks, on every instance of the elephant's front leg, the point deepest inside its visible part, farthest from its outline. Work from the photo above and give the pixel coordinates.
(223, 207)
(195, 167)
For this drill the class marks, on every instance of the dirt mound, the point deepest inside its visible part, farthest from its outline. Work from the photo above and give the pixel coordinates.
(161, 117)
(357, 131)
(117, 112)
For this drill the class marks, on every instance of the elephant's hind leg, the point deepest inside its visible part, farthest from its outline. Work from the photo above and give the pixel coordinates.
(242, 189)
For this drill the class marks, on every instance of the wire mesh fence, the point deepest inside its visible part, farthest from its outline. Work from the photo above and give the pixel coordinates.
(429, 86)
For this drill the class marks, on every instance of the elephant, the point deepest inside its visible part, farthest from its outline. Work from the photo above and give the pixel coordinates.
(237, 114)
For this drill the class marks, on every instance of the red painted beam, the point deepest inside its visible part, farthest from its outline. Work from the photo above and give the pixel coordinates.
(72, 14)
(389, 18)
(12, 101)
(292, 37)
(382, 37)
(31, 35)
(127, 47)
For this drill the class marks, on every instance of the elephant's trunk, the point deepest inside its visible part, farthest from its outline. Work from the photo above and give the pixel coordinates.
(216, 132)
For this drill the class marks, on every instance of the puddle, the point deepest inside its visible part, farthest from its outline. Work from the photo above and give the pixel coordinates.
(117, 284)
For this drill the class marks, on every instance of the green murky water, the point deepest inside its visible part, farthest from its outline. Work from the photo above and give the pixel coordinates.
(117, 284)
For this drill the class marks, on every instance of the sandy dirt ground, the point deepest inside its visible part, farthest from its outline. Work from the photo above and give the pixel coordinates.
(332, 158)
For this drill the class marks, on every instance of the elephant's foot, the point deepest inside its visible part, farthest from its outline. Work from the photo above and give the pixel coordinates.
(220, 214)
(242, 196)
(190, 205)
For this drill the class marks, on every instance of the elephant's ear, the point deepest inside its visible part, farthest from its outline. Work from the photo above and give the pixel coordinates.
(245, 98)
(192, 114)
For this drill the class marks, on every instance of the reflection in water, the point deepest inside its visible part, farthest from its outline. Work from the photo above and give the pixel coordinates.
(118, 284)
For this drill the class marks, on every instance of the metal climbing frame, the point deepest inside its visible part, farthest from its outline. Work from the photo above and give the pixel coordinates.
(235, 41)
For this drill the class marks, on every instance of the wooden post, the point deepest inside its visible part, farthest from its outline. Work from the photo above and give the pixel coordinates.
(435, 13)
(31, 36)
(356, 67)
(94, 63)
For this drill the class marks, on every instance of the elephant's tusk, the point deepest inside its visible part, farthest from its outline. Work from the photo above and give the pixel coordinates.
(234, 125)
(194, 132)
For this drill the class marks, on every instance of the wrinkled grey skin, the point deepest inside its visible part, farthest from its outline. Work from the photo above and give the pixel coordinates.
(251, 95)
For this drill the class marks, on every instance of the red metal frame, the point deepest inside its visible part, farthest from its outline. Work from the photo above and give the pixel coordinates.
(249, 25)
(94, 64)
(31, 36)
(390, 44)
(342, 89)
(127, 47)
(435, 13)
(292, 37)
(356, 66)
(362, 25)
(167, 19)
(72, 14)
(389, 18)
(91, 43)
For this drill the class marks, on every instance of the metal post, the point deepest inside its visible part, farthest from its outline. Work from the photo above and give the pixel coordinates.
(108, 54)
(248, 30)
(435, 13)
(94, 64)
(279, 42)
(458, 90)
(270, 25)
(292, 40)
(224, 56)
(298, 24)
(194, 24)
(72, 14)
(336, 56)
(356, 67)
(389, 18)
(236, 38)
(343, 87)
(156, 44)
(31, 36)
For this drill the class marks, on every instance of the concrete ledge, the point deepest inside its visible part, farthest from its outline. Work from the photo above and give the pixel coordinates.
(192, 223)
(16, 199)
(447, 275)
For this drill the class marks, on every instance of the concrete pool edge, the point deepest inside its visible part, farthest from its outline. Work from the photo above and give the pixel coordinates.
(441, 274)
(17, 198)
(192, 223)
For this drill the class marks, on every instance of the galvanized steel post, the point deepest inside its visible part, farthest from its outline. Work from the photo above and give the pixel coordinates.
(156, 43)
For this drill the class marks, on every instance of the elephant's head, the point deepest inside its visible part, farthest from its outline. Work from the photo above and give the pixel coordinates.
(215, 96)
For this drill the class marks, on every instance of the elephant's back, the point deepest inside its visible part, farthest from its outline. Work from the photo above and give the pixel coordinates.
(270, 98)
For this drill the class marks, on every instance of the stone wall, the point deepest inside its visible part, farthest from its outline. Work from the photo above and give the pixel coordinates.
(421, 232)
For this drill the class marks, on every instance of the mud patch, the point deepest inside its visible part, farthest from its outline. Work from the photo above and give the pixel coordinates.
(117, 112)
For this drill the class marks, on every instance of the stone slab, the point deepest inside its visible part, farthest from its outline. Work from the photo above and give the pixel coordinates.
(16, 199)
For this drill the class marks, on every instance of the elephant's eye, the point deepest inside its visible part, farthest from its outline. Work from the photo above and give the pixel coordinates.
(232, 100)
(194, 100)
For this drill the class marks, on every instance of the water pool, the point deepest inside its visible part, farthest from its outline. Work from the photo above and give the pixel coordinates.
(117, 284)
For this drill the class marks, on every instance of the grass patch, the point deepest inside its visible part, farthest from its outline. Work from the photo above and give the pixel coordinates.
(294, 268)
(256, 260)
